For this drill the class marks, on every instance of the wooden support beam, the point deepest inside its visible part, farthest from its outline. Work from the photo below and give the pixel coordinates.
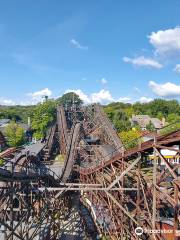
(122, 208)
(85, 189)
(166, 163)
(119, 178)
(169, 148)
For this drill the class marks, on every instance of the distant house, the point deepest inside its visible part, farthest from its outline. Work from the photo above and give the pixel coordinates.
(144, 120)
(4, 122)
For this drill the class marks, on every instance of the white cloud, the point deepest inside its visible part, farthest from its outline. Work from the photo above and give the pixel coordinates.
(166, 42)
(177, 68)
(165, 90)
(76, 44)
(35, 97)
(143, 61)
(38, 95)
(81, 94)
(7, 102)
(145, 100)
(124, 99)
(103, 96)
(103, 81)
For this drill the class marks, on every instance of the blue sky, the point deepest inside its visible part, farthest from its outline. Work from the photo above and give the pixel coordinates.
(121, 50)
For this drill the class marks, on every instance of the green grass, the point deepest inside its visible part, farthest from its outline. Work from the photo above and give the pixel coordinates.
(2, 162)
(60, 158)
(170, 128)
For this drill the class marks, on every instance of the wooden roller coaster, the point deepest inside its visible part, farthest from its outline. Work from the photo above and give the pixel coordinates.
(127, 194)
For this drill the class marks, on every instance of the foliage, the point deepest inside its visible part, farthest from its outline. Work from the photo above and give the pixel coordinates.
(118, 117)
(1, 162)
(15, 134)
(129, 111)
(44, 114)
(119, 113)
(150, 127)
(69, 99)
(170, 128)
(121, 121)
(129, 138)
(16, 113)
(173, 117)
(158, 108)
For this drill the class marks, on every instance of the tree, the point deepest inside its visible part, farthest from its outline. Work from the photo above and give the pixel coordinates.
(69, 99)
(44, 114)
(150, 127)
(110, 112)
(159, 115)
(121, 121)
(129, 111)
(16, 113)
(15, 134)
(170, 128)
(130, 138)
(173, 117)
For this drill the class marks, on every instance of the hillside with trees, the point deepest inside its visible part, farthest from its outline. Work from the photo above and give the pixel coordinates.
(119, 113)
(43, 114)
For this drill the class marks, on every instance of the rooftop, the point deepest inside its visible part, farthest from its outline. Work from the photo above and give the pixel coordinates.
(144, 120)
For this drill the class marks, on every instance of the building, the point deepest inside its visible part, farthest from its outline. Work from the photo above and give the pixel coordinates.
(144, 120)
(171, 156)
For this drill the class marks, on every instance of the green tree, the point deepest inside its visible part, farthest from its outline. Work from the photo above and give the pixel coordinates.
(159, 115)
(69, 99)
(170, 128)
(130, 138)
(129, 111)
(110, 112)
(2, 161)
(15, 134)
(173, 117)
(150, 127)
(44, 114)
(16, 113)
(121, 121)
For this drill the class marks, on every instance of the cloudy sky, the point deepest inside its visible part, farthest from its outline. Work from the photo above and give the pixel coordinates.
(121, 50)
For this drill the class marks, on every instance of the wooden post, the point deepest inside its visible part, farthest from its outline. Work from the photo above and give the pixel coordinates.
(154, 186)
(138, 191)
(176, 210)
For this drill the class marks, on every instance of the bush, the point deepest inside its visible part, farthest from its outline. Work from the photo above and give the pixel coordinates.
(15, 134)
(130, 138)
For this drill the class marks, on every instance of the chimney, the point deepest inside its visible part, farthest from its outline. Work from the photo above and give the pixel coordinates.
(29, 121)
(163, 121)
